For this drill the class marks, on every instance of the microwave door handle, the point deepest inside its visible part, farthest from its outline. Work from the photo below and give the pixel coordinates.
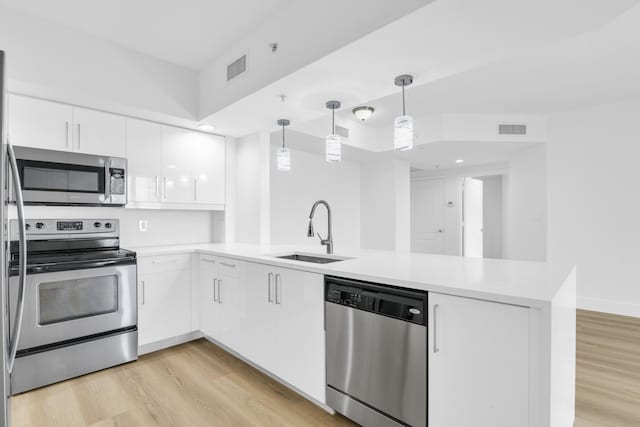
(107, 180)
(22, 266)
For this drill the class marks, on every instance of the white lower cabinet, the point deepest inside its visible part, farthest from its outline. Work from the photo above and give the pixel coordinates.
(479, 363)
(164, 297)
(272, 316)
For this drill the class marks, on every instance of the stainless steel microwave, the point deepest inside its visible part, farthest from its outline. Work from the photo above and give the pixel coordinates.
(49, 177)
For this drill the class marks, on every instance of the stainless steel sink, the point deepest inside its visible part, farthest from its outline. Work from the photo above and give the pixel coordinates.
(317, 259)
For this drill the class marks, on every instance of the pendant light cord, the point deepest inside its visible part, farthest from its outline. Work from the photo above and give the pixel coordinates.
(333, 121)
(282, 136)
(404, 113)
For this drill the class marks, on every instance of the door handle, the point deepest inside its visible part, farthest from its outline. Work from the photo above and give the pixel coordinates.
(269, 279)
(66, 132)
(107, 178)
(78, 136)
(164, 188)
(226, 264)
(435, 328)
(278, 288)
(157, 187)
(212, 261)
(219, 291)
(143, 293)
(22, 260)
(214, 290)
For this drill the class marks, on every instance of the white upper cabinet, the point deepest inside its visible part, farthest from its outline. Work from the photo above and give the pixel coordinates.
(40, 124)
(95, 132)
(193, 167)
(55, 126)
(144, 160)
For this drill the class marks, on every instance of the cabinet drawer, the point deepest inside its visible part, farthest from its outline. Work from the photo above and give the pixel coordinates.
(161, 263)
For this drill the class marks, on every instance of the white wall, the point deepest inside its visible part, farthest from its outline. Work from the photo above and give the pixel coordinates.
(248, 189)
(526, 236)
(492, 212)
(385, 205)
(311, 178)
(51, 61)
(594, 203)
(163, 227)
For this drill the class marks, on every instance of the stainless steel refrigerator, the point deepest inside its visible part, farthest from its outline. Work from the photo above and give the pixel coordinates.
(10, 327)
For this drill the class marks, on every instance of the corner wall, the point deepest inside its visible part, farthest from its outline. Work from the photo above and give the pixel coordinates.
(594, 205)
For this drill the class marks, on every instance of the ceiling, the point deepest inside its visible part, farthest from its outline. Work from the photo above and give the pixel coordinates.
(186, 32)
(466, 56)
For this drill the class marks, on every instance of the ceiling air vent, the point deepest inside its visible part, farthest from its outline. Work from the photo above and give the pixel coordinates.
(237, 67)
(343, 132)
(512, 129)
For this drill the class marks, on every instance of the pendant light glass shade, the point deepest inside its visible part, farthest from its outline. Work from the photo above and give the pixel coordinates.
(333, 148)
(284, 159)
(403, 133)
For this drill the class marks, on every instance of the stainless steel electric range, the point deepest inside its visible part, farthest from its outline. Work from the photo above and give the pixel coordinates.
(78, 297)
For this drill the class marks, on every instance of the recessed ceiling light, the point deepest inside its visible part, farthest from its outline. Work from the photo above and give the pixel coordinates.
(459, 161)
(204, 126)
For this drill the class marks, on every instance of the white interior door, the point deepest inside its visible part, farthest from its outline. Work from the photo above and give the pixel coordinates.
(472, 216)
(427, 216)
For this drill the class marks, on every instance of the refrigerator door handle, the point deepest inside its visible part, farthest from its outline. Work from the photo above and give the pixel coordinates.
(22, 266)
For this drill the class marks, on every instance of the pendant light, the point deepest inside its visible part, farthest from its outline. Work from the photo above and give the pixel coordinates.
(284, 155)
(332, 141)
(403, 126)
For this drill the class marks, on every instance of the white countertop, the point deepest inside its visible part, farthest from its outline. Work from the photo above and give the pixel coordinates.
(516, 282)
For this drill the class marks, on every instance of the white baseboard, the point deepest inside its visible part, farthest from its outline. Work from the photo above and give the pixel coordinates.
(609, 306)
(169, 342)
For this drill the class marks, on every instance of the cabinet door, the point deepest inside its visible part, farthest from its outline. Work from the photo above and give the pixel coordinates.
(208, 304)
(144, 143)
(164, 305)
(99, 133)
(478, 363)
(300, 345)
(178, 184)
(258, 343)
(40, 124)
(208, 167)
(232, 299)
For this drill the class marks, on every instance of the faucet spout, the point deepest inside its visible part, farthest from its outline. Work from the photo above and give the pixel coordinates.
(328, 242)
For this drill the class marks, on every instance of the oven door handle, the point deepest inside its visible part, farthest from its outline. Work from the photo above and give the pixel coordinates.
(22, 265)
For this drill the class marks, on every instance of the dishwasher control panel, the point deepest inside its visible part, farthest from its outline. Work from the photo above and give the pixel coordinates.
(403, 304)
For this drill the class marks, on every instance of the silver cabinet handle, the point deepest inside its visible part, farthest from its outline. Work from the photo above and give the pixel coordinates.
(269, 279)
(278, 289)
(226, 264)
(66, 132)
(164, 188)
(435, 317)
(157, 187)
(143, 293)
(22, 263)
(195, 189)
(219, 291)
(78, 136)
(215, 299)
(212, 261)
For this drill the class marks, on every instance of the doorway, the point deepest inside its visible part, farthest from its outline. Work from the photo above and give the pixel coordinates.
(483, 216)
(427, 216)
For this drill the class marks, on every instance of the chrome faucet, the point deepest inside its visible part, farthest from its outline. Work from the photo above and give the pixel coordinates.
(328, 242)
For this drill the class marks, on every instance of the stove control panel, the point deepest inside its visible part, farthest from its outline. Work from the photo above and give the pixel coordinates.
(64, 228)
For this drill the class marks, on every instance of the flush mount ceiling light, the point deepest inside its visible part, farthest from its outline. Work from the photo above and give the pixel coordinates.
(403, 126)
(332, 141)
(206, 127)
(284, 155)
(459, 161)
(363, 112)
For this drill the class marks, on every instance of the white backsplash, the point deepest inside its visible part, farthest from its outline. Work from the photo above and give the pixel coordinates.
(164, 227)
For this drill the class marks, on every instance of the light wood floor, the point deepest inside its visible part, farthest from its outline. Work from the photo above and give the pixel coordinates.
(198, 384)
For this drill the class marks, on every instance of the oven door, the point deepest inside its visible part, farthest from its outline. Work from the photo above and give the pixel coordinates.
(66, 305)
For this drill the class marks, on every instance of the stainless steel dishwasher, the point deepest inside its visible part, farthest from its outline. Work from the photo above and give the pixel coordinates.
(376, 339)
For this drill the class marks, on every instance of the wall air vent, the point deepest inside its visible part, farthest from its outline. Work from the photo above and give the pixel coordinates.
(512, 129)
(343, 132)
(237, 67)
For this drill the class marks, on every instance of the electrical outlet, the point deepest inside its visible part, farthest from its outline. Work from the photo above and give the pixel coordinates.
(142, 225)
